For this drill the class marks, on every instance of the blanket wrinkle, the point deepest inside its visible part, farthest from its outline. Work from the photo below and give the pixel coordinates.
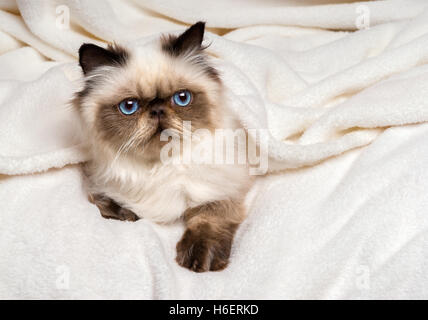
(329, 16)
(346, 111)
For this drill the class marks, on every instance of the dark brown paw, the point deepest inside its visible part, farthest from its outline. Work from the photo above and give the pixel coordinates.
(202, 251)
(110, 209)
(122, 214)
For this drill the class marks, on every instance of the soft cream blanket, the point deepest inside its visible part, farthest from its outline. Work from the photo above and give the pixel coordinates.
(341, 86)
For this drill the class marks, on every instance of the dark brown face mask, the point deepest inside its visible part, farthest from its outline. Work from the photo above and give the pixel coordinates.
(137, 121)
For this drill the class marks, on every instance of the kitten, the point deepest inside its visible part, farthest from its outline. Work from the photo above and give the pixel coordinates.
(129, 96)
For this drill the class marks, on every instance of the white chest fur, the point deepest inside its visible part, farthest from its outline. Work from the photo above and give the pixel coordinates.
(162, 192)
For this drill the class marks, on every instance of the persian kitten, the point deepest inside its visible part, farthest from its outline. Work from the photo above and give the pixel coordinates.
(129, 97)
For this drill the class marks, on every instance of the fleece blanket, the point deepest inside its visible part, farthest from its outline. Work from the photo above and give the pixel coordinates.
(342, 88)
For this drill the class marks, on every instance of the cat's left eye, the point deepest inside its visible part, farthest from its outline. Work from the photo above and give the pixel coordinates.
(129, 106)
(182, 98)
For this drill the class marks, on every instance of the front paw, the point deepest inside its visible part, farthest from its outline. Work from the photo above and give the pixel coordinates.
(110, 209)
(122, 214)
(202, 251)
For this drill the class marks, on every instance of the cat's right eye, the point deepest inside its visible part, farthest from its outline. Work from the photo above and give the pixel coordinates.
(129, 106)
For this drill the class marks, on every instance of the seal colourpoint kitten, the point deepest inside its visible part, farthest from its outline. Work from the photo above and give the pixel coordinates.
(129, 96)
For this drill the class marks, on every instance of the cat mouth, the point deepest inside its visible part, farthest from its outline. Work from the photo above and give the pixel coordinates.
(158, 127)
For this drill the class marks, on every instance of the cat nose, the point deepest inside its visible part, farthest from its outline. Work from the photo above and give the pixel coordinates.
(157, 111)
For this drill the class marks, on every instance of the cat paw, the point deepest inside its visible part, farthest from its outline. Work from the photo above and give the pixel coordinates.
(201, 252)
(123, 215)
(110, 209)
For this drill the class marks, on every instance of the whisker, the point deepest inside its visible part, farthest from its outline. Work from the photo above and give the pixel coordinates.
(125, 147)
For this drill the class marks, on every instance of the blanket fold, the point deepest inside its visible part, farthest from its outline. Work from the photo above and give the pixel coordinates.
(301, 98)
(340, 86)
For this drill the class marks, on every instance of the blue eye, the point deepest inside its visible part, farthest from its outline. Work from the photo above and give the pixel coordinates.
(129, 106)
(182, 98)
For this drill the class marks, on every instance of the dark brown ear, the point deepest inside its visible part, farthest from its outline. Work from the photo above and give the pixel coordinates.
(92, 56)
(191, 39)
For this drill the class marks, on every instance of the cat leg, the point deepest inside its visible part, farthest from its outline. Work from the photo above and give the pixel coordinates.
(112, 210)
(207, 241)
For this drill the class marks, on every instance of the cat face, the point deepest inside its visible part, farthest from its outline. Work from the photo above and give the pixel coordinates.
(131, 95)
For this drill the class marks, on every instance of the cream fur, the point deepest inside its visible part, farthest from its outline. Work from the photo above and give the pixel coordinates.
(162, 192)
(157, 191)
